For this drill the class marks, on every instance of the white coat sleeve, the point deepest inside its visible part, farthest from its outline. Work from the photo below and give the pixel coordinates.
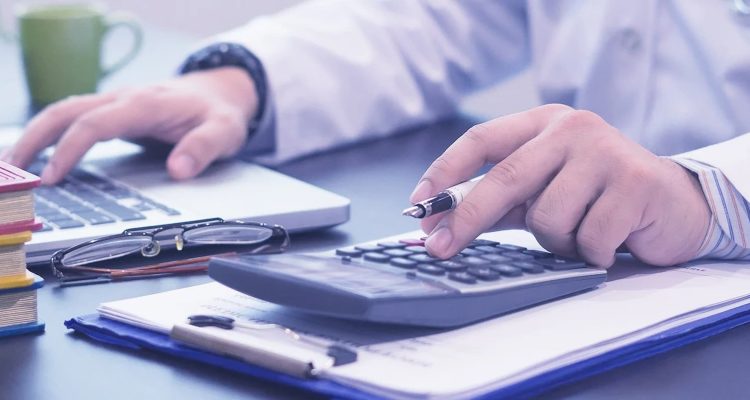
(339, 71)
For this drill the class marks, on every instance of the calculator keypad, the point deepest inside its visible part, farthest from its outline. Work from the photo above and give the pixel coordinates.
(481, 261)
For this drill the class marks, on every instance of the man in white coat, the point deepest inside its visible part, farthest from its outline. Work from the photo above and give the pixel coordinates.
(627, 87)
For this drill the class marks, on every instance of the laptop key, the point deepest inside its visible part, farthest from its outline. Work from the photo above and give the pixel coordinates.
(130, 216)
(57, 216)
(69, 223)
(95, 218)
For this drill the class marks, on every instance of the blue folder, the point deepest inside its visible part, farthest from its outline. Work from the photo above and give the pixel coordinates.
(119, 334)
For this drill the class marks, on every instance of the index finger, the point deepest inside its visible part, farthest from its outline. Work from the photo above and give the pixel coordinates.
(46, 127)
(489, 142)
(115, 119)
(506, 186)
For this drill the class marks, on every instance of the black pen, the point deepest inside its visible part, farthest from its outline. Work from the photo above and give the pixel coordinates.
(446, 200)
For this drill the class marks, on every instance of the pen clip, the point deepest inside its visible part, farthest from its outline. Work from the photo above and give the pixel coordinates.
(340, 354)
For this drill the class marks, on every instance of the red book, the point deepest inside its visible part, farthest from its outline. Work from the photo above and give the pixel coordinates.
(17, 200)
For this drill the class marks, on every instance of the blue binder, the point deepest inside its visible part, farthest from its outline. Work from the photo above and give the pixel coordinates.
(124, 335)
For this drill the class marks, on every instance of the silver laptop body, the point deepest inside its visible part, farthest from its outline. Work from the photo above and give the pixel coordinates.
(120, 186)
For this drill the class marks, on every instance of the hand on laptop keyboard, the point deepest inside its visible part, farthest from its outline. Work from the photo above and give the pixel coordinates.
(205, 114)
(86, 199)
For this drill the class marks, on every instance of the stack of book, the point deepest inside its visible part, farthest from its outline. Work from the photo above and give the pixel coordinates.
(18, 300)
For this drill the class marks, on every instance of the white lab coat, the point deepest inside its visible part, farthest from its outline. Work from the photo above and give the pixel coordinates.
(674, 74)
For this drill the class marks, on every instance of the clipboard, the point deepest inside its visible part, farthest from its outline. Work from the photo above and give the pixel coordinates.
(718, 300)
(138, 339)
(134, 338)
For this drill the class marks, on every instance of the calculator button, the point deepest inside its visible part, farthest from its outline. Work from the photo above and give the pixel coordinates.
(412, 242)
(537, 253)
(518, 256)
(430, 269)
(484, 273)
(348, 252)
(392, 245)
(398, 252)
(451, 265)
(472, 261)
(377, 257)
(368, 247)
(497, 258)
(416, 249)
(511, 247)
(482, 242)
(463, 277)
(468, 252)
(423, 258)
(561, 264)
(507, 270)
(489, 249)
(529, 267)
(403, 263)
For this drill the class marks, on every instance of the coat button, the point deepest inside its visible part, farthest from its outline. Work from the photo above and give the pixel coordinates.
(630, 39)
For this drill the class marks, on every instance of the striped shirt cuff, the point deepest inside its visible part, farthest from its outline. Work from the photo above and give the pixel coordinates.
(728, 236)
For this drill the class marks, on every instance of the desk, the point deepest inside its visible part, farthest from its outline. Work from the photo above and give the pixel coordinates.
(378, 178)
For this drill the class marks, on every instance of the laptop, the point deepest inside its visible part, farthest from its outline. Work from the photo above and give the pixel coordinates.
(120, 185)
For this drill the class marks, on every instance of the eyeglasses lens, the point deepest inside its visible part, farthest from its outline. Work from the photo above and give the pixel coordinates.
(106, 250)
(228, 234)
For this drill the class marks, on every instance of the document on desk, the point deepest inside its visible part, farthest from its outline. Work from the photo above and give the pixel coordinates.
(637, 302)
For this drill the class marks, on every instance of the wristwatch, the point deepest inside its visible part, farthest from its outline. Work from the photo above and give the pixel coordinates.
(231, 54)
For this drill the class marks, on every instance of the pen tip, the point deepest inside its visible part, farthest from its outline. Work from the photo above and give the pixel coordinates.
(413, 211)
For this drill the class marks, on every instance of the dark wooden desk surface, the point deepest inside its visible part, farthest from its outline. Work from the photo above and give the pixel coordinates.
(377, 177)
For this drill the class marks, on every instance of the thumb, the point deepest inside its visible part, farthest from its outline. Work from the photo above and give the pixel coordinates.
(199, 148)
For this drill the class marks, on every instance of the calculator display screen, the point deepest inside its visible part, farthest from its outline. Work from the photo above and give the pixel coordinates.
(351, 277)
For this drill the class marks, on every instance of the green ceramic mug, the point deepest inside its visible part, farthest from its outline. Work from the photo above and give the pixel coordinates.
(61, 46)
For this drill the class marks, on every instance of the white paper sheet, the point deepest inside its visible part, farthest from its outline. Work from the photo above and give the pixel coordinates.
(637, 301)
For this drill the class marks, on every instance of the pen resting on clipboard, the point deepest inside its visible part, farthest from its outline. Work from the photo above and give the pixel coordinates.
(271, 346)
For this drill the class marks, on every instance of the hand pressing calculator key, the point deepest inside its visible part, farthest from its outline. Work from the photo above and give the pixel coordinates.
(400, 283)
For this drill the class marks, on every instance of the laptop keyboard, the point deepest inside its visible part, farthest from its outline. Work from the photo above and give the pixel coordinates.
(86, 199)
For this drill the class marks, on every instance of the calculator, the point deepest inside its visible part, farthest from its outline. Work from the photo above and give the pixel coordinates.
(398, 282)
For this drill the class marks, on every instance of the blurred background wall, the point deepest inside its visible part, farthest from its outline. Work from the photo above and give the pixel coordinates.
(201, 18)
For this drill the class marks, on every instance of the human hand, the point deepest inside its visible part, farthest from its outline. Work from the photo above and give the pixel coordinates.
(205, 114)
(575, 182)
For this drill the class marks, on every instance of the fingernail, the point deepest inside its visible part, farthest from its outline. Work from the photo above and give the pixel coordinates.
(184, 166)
(439, 240)
(49, 174)
(422, 191)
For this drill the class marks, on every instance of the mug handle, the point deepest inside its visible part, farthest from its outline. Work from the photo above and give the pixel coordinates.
(123, 20)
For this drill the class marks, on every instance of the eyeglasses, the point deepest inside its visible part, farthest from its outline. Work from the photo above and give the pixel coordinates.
(85, 259)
